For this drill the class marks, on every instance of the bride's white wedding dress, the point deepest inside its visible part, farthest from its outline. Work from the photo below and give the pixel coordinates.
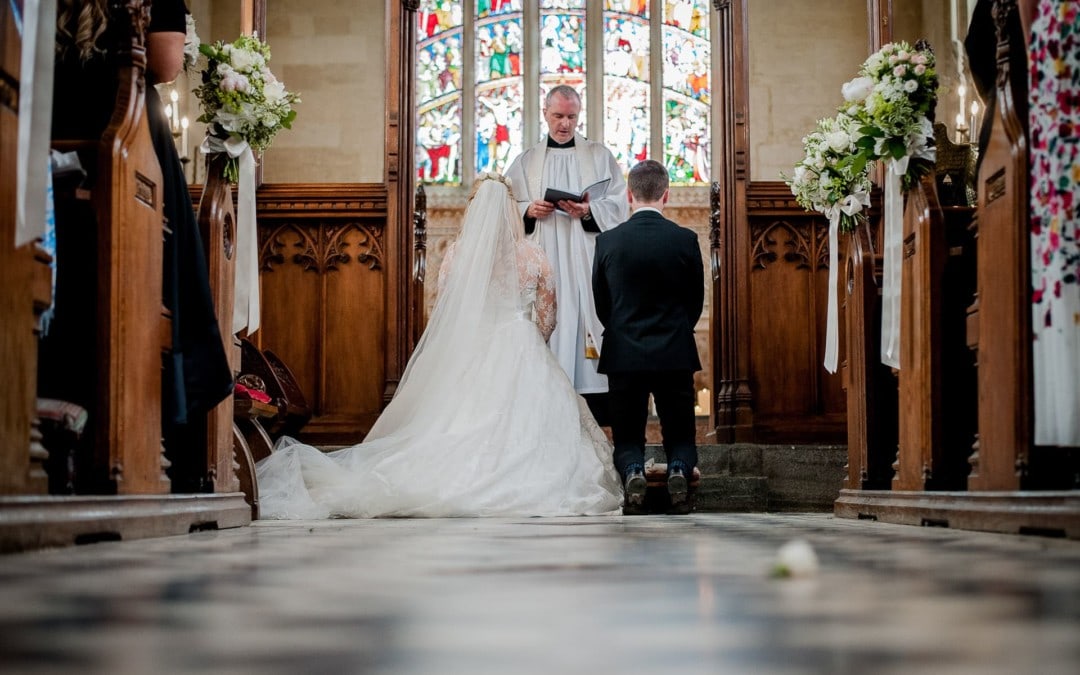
(484, 423)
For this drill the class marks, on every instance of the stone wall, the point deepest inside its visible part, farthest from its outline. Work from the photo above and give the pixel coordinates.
(800, 53)
(333, 53)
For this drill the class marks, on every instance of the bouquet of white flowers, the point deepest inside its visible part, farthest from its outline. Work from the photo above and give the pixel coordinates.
(892, 98)
(833, 178)
(242, 102)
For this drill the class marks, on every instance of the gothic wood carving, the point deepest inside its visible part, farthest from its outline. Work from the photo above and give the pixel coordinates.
(320, 247)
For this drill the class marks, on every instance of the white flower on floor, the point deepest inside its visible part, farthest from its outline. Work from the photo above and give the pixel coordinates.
(796, 558)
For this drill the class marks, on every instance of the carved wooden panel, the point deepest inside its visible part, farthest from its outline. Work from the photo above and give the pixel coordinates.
(323, 255)
(794, 398)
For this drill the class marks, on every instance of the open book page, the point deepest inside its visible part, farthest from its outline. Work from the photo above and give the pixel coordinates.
(595, 191)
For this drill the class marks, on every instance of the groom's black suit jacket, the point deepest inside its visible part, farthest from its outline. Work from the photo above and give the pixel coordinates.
(649, 286)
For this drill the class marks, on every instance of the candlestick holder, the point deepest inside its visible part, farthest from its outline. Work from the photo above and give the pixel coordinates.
(955, 168)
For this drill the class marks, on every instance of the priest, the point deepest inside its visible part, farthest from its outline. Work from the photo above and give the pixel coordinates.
(567, 229)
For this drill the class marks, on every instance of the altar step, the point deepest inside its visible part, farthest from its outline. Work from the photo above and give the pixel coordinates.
(745, 477)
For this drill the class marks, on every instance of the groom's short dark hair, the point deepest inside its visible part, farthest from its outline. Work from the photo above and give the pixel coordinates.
(647, 181)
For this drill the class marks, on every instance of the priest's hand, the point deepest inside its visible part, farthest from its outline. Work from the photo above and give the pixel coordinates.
(540, 209)
(579, 210)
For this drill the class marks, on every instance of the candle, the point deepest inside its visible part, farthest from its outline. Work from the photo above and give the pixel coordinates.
(961, 130)
(962, 90)
(974, 117)
(175, 98)
(183, 136)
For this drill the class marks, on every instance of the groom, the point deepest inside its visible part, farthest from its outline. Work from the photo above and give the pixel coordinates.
(648, 283)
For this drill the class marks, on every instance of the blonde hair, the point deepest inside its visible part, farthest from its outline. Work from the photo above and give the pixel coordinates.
(79, 25)
(491, 175)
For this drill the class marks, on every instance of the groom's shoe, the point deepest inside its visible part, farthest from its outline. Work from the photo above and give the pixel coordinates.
(678, 489)
(634, 488)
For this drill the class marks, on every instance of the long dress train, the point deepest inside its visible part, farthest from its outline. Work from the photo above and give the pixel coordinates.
(485, 421)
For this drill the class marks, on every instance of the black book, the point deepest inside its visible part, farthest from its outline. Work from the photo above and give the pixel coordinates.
(595, 191)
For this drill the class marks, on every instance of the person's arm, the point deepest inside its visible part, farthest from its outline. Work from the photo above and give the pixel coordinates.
(695, 294)
(165, 40)
(164, 56)
(612, 209)
(546, 301)
(601, 292)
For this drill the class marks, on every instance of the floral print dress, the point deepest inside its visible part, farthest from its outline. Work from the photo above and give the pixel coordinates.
(1054, 116)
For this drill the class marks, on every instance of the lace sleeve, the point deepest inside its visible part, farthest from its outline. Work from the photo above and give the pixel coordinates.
(444, 267)
(545, 296)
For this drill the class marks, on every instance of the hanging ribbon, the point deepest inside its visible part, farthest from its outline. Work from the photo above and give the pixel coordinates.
(894, 243)
(832, 330)
(35, 117)
(918, 147)
(246, 305)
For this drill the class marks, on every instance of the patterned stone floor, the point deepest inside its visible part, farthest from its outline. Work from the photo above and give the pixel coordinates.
(590, 595)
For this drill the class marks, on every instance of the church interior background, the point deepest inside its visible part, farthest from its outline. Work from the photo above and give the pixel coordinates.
(404, 102)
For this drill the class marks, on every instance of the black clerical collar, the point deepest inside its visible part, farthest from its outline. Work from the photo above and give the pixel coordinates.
(552, 143)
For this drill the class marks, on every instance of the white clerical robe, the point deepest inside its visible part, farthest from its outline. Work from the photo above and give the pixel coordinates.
(569, 247)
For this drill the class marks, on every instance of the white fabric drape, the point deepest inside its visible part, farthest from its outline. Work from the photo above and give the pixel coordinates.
(35, 119)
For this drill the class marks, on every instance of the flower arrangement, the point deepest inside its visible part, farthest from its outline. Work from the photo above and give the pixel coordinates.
(892, 99)
(833, 177)
(885, 116)
(243, 103)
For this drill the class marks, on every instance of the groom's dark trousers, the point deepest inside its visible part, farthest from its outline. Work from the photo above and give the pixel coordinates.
(649, 286)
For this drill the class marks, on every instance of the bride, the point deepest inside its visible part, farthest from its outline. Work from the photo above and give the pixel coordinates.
(484, 422)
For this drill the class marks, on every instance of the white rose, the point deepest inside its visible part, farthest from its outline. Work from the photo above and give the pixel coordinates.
(242, 59)
(837, 140)
(910, 86)
(796, 558)
(274, 91)
(800, 175)
(857, 89)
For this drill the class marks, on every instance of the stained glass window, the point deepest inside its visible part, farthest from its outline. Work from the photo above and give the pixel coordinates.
(686, 90)
(562, 51)
(499, 89)
(654, 81)
(626, 80)
(439, 88)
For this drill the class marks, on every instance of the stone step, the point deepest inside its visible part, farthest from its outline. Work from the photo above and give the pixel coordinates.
(750, 477)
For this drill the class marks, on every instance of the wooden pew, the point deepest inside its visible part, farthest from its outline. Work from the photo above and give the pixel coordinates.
(1003, 316)
(936, 379)
(124, 490)
(132, 330)
(24, 293)
(1006, 490)
(870, 386)
(217, 225)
